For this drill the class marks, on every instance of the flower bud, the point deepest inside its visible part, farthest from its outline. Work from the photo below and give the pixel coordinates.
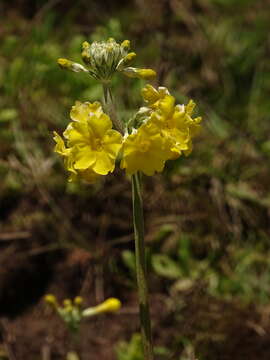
(70, 65)
(125, 45)
(78, 301)
(150, 94)
(190, 107)
(104, 58)
(86, 52)
(146, 74)
(126, 61)
(109, 305)
(67, 303)
(51, 300)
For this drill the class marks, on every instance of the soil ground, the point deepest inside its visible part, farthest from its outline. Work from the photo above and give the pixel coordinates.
(220, 330)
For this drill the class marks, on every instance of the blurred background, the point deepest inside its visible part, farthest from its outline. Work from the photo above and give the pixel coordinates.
(207, 216)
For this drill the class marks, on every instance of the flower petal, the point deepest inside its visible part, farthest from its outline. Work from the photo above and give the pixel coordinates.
(77, 133)
(150, 94)
(104, 164)
(60, 147)
(85, 158)
(112, 143)
(81, 111)
(100, 125)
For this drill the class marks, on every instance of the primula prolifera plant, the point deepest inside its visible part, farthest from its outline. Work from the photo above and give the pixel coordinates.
(73, 313)
(96, 141)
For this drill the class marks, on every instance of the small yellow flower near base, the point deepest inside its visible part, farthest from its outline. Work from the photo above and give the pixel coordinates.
(109, 305)
(67, 303)
(78, 301)
(51, 300)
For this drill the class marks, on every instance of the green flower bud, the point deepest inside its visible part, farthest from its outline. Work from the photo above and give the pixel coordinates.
(70, 65)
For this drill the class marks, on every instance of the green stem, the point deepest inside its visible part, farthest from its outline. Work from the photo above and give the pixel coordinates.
(138, 222)
(110, 107)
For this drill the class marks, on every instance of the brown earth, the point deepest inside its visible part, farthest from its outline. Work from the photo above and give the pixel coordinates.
(218, 330)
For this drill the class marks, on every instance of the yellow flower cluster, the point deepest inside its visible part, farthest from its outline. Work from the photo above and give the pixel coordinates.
(72, 312)
(167, 131)
(91, 146)
(103, 58)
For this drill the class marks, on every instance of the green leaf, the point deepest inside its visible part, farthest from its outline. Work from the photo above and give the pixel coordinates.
(8, 115)
(164, 266)
(129, 260)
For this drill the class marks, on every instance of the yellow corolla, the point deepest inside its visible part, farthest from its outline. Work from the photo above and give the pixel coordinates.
(92, 144)
(152, 96)
(145, 150)
(174, 121)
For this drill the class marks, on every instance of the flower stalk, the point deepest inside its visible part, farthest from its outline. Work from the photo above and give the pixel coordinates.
(138, 222)
(110, 107)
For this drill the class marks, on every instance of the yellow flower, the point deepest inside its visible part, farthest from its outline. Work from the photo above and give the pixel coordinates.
(51, 300)
(92, 144)
(174, 121)
(145, 150)
(166, 131)
(109, 305)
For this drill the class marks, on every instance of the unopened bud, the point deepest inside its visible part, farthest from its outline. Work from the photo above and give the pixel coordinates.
(150, 94)
(146, 74)
(85, 45)
(126, 61)
(51, 300)
(190, 107)
(78, 301)
(126, 45)
(109, 305)
(86, 52)
(70, 65)
(67, 302)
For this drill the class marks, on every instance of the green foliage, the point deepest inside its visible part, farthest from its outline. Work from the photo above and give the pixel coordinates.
(163, 265)
(247, 274)
(218, 198)
(129, 260)
(133, 350)
(130, 351)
